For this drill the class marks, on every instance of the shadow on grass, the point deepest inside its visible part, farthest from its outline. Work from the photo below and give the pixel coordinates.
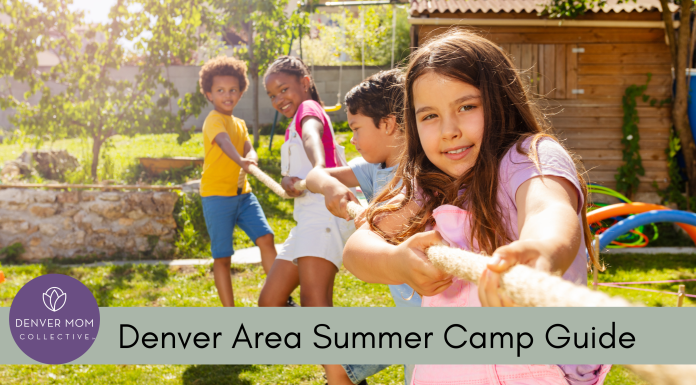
(120, 277)
(125, 276)
(216, 374)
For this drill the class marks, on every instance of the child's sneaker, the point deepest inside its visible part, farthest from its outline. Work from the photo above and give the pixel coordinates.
(291, 303)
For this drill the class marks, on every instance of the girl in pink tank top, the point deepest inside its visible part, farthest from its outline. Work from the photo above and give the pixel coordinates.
(480, 172)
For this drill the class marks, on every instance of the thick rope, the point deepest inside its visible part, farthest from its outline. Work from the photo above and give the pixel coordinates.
(666, 374)
(272, 184)
(524, 285)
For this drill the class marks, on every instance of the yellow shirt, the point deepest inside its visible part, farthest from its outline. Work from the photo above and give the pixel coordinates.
(221, 175)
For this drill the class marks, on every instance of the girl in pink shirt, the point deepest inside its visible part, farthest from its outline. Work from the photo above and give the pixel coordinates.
(480, 172)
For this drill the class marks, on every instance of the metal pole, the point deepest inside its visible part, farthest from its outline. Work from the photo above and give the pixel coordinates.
(393, 32)
(275, 119)
(362, 48)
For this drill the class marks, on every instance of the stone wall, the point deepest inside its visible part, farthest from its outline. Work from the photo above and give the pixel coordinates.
(66, 224)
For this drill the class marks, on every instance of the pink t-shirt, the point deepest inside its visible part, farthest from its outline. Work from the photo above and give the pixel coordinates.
(453, 223)
(312, 108)
(515, 169)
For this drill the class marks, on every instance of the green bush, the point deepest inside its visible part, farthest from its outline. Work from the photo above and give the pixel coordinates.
(341, 126)
(265, 129)
(12, 252)
(192, 234)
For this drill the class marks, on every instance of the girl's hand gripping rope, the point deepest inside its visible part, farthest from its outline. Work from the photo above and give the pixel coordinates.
(414, 267)
(504, 258)
(289, 185)
(272, 184)
(337, 196)
(246, 163)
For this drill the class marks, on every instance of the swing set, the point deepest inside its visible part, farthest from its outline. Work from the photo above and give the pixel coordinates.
(338, 105)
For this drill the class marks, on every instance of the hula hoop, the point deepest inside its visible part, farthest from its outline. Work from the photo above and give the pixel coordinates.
(643, 219)
(594, 188)
(622, 209)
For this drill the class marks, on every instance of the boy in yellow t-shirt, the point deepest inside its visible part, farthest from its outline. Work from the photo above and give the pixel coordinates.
(227, 197)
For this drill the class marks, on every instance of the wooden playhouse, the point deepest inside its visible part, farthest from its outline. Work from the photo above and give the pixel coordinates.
(582, 67)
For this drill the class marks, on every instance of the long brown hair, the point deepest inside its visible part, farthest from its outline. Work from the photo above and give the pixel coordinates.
(509, 118)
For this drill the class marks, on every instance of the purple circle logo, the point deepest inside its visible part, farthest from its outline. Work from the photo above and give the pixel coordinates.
(54, 319)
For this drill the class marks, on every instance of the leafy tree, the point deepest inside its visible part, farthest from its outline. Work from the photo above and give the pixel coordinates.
(89, 97)
(680, 43)
(377, 33)
(268, 31)
(346, 34)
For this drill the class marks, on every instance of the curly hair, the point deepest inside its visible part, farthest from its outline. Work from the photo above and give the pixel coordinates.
(296, 67)
(378, 96)
(222, 66)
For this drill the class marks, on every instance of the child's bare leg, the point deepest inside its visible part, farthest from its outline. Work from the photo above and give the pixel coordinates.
(223, 280)
(280, 282)
(268, 251)
(336, 375)
(317, 277)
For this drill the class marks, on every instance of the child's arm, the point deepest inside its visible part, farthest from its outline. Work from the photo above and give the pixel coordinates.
(333, 183)
(249, 152)
(372, 259)
(549, 234)
(312, 131)
(223, 140)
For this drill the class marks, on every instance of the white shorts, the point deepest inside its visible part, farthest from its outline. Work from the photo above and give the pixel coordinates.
(318, 233)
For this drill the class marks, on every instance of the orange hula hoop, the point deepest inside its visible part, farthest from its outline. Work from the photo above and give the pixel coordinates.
(622, 209)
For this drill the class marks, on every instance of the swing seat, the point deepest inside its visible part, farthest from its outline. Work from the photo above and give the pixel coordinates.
(333, 108)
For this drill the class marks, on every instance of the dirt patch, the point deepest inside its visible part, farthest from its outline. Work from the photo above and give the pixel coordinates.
(184, 269)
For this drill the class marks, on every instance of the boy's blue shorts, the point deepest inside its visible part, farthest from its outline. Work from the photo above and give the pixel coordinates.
(223, 213)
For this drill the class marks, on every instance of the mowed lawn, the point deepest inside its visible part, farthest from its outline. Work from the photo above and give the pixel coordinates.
(147, 285)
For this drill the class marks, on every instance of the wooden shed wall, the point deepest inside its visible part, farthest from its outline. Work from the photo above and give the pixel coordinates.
(598, 63)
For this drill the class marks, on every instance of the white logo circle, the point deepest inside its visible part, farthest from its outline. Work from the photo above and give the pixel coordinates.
(54, 299)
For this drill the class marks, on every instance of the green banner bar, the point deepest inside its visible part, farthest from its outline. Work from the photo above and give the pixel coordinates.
(384, 336)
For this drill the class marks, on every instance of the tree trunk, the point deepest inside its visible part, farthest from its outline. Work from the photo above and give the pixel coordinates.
(255, 80)
(669, 30)
(96, 149)
(679, 108)
(254, 71)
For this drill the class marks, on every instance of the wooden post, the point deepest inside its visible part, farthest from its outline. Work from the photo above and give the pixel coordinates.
(680, 296)
(595, 278)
